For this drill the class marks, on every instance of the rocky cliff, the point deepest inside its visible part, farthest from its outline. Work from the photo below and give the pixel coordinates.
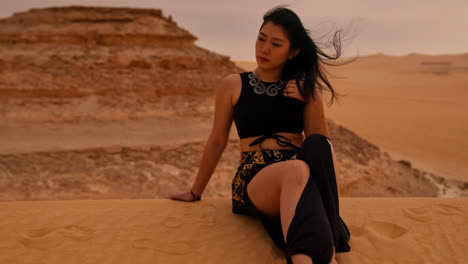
(71, 63)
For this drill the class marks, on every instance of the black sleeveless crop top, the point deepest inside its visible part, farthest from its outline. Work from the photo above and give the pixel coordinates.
(262, 109)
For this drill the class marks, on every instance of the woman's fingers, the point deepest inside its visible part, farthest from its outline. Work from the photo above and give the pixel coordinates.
(292, 91)
(184, 196)
(169, 197)
(173, 196)
(292, 83)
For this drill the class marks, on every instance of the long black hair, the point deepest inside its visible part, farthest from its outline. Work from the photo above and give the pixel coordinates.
(307, 65)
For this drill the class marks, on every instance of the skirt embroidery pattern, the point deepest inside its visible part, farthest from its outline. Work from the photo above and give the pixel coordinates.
(250, 163)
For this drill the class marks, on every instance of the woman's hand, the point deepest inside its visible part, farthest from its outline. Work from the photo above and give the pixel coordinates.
(292, 91)
(183, 196)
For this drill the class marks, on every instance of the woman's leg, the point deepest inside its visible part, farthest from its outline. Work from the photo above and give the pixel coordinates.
(316, 151)
(288, 182)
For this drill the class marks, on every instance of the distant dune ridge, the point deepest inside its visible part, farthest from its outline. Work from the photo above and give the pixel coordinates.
(113, 104)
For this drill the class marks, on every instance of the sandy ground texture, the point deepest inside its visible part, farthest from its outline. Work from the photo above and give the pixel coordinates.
(414, 107)
(383, 230)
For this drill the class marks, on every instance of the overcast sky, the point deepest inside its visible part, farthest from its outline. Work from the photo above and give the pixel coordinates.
(396, 27)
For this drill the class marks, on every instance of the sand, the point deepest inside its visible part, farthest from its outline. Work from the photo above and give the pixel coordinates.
(383, 230)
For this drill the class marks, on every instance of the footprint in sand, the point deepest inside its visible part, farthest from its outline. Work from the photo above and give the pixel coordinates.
(355, 231)
(446, 209)
(45, 238)
(182, 247)
(420, 214)
(424, 214)
(387, 229)
(204, 214)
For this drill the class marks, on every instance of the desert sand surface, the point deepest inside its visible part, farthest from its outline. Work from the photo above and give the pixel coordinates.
(414, 107)
(104, 111)
(384, 230)
(43, 137)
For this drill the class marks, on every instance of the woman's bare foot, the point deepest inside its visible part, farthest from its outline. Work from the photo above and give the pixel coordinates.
(301, 258)
(333, 260)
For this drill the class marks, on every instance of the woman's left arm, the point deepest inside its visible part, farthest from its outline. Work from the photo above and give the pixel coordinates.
(316, 123)
(314, 116)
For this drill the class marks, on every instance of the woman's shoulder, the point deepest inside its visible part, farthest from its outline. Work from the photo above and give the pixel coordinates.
(229, 84)
(233, 80)
(237, 76)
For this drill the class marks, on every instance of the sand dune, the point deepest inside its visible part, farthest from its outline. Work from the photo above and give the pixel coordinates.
(383, 230)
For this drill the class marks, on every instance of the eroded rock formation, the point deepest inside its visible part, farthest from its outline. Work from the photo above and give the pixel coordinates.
(100, 63)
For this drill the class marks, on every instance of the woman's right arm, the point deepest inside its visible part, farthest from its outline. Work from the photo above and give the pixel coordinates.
(217, 139)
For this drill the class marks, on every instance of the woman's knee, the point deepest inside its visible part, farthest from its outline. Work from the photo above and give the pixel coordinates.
(298, 173)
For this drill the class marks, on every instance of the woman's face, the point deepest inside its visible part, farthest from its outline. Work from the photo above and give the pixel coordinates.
(272, 46)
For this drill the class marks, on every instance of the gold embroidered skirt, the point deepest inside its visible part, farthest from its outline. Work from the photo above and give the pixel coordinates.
(250, 163)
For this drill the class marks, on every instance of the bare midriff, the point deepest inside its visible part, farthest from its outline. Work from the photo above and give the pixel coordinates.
(271, 143)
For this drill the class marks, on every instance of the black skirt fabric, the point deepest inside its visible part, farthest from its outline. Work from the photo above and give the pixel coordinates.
(316, 226)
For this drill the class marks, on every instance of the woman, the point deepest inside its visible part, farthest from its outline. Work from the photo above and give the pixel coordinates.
(291, 189)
